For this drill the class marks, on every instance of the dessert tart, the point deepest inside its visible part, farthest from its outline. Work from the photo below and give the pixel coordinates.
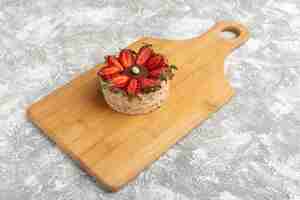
(136, 82)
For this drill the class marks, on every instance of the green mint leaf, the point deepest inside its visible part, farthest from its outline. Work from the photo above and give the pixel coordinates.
(173, 67)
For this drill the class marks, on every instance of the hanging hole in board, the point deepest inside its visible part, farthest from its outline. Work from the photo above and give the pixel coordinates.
(230, 33)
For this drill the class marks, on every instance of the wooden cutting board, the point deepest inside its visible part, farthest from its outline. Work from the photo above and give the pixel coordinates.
(115, 147)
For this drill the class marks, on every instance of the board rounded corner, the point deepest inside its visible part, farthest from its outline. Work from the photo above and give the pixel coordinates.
(29, 112)
(107, 185)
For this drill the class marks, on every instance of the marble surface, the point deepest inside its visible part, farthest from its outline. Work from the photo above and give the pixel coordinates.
(248, 150)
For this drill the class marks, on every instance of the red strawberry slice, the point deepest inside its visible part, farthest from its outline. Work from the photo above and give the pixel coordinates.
(132, 86)
(156, 72)
(107, 77)
(138, 89)
(164, 62)
(120, 81)
(127, 58)
(113, 61)
(154, 62)
(144, 54)
(147, 82)
(105, 71)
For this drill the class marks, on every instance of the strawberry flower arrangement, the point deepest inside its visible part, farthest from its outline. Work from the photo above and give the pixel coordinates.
(136, 82)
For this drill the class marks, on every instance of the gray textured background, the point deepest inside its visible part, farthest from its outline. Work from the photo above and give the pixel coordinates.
(248, 150)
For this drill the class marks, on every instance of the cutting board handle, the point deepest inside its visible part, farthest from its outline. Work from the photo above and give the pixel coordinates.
(227, 44)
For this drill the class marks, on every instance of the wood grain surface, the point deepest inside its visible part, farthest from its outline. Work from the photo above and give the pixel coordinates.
(115, 147)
